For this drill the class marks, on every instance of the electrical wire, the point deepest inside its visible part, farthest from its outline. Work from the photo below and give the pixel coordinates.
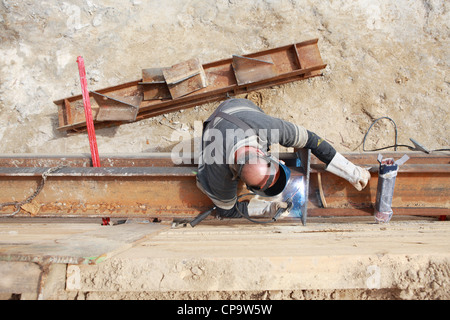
(395, 145)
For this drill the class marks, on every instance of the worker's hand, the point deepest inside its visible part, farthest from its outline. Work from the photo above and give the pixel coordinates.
(263, 208)
(357, 176)
(271, 210)
(361, 178)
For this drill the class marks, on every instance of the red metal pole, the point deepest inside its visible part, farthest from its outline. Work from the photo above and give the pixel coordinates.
(88, 113)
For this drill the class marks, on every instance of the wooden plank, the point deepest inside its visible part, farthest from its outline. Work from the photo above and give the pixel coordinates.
(19, 277)
(71, 243)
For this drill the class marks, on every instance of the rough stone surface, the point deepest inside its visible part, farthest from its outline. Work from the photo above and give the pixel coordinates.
(384, 59)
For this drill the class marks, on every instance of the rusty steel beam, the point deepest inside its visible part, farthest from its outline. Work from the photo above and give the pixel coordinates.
(431, 162)
(401, 211)
(294, 62)
(151, 185)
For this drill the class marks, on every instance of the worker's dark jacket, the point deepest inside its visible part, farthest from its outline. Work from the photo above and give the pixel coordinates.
(222, 137)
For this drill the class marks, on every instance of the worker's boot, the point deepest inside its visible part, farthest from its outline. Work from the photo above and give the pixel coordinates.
(357, 176)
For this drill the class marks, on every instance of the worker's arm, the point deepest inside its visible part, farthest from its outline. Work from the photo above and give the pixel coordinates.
(337, 163)
(296, 136)
(233, 212)
(320, 148)
(222, 192)
(254, 208)
(292, 135)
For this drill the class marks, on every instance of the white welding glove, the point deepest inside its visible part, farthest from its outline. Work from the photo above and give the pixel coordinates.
(263, 208)
(357, 176)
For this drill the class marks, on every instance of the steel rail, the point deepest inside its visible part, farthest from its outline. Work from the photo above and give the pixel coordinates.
(152, 186)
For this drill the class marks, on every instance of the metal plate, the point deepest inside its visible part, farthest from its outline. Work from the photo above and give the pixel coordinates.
(111, 109)
(185, 78)
(249, 70)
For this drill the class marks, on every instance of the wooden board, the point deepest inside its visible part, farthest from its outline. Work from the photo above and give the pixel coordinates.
(72, 243)
(18, 277)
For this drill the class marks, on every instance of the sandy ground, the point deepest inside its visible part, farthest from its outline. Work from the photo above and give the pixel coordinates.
(383, 58)
(329, 258)
(326, 259)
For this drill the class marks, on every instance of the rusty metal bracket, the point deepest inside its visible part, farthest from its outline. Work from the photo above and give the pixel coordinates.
(112, 109)
(184, 78)
(249, 70)
(154, 85)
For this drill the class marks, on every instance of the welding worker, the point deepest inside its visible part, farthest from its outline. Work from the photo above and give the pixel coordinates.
(226, 157)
